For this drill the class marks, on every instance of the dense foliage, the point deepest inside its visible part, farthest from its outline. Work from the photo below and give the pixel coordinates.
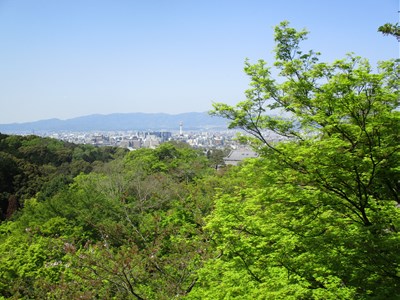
(317, 216)
(390, 29)
(130, 228)
(30, 164)
(314, 217)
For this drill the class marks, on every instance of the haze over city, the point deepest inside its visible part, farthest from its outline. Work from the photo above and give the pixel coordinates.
(64, 59)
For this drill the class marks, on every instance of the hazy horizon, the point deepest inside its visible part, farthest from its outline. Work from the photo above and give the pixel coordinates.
(66, 59)
(104, 114)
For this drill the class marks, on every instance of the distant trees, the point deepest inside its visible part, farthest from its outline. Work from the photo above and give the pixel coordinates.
(216, 157)
(30, 165)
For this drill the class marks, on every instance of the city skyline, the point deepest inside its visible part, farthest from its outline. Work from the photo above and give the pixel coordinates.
(67, 59)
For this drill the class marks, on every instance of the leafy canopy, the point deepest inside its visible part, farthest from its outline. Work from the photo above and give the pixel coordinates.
(316, 216)
(390, 29)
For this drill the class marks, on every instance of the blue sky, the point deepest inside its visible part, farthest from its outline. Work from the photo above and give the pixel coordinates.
(69, 58)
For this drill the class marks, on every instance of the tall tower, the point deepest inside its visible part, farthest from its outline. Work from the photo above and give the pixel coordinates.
(180, 129)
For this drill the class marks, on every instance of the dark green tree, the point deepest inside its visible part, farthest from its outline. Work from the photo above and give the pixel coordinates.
(31, 165)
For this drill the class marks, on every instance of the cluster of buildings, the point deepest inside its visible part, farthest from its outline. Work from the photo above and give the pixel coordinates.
(149, 139)
(133, 140)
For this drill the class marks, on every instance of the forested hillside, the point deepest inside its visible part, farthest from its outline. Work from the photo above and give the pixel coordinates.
(130, 227)
(30, 164)
(313, 217)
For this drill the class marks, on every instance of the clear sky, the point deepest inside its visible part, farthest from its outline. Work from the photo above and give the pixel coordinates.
(69, 58)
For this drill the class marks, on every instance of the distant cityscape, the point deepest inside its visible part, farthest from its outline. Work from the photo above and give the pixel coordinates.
(151, 139)
(203, 132)
(133, 140)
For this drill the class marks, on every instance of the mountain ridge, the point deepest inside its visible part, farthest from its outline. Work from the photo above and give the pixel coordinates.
(120, 121)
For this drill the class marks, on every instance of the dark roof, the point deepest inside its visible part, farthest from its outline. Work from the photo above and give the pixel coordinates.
(236, 156)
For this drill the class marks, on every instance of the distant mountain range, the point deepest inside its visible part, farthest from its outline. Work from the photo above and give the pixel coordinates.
(121, 121)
